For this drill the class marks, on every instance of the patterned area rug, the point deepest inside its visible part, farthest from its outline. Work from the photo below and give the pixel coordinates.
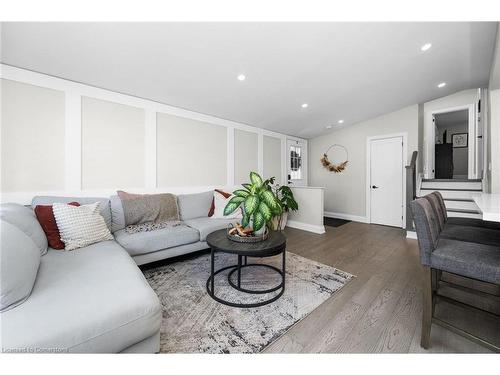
(194, 323)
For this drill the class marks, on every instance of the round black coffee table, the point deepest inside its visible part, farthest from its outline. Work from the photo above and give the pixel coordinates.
(274, 245)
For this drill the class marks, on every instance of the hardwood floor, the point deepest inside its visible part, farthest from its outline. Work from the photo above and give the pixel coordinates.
(380, 310)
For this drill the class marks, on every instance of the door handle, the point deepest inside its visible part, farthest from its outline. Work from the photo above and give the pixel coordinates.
(374, 187)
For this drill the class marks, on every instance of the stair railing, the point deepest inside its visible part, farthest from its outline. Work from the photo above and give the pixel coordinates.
(411, 188)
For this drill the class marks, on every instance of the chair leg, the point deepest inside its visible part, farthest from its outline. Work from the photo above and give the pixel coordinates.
(435, 277)
(427, 310)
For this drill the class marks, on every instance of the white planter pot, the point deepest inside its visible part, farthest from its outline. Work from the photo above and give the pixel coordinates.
(284, 218)
(259, 232)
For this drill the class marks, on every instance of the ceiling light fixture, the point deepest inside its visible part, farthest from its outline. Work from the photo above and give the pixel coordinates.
(442, 84)
(305, 105)
(425, 47)
(328, 126)
(241, 77)
(341, 121)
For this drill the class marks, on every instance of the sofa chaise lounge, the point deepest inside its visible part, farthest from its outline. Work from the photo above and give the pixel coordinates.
(96, 299)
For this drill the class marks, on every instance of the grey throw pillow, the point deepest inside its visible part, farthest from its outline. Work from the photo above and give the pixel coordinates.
(19, 262)
(24, 218)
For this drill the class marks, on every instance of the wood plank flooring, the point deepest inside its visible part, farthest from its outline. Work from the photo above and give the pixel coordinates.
(380, 310)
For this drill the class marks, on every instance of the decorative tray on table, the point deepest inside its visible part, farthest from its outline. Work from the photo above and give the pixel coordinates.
(239, 234)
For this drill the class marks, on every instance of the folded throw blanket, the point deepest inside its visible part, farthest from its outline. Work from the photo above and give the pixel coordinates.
(147, 208)
(147, 227)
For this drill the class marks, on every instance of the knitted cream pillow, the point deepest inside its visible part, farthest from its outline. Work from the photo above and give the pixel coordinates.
(80, 226)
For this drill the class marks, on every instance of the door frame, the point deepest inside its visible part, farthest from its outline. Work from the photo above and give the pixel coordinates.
(404, 136)
(431, 140)
(305, 160)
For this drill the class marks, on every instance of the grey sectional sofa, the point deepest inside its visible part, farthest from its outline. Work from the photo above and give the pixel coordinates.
(96, 299)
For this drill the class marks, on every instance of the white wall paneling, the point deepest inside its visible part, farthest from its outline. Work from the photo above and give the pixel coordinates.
(73, 141)
(113, 147)
(246, 154)
(32, 142)
(71, 157)
(272, 158)
(190, 152)
(230, 156)
(150, 149)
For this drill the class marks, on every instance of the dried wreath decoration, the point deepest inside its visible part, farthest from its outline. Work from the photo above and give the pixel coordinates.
(336, 168)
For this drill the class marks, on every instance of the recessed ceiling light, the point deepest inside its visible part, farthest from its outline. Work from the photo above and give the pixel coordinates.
(328, 126)
(241, 77)
(341, 121)
(426, 46)
(442, 84)
(305, 105)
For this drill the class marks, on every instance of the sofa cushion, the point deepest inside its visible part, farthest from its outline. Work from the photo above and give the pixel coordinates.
(117, 214)
(468, 259)
(103, 204)
(147, 242)
(45, 216)
(207, 225)
(24, 218)
(94, 299)
(19, 262)
(212, 206)
(80, 226)
(194, 205)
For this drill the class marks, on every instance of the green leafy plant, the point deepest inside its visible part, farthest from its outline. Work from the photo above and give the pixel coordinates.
(260, 204)
(286, 198)
(287, 202)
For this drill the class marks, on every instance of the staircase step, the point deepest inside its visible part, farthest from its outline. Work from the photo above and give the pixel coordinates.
(458, 184)
(451, 180)
(447, 189)
(461, 204)
(465, 214)
(463, 211)
(451, 194)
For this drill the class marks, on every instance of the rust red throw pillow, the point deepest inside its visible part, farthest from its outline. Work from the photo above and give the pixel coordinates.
(212, 207)
(46, 218)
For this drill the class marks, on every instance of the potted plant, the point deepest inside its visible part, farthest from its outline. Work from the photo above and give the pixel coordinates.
(287, 203)
(258, 201)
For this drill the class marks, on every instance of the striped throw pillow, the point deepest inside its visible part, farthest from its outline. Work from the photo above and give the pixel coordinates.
(80, 226)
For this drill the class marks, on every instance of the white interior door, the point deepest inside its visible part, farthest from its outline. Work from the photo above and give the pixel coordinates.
(296, 154)
(386, 181)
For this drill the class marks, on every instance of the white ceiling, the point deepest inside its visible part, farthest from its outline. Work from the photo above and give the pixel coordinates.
(350, 71)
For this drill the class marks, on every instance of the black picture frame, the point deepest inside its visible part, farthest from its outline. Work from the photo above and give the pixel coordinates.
(460, 140)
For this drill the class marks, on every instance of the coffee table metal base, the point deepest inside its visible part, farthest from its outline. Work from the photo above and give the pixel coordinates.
(237, 268)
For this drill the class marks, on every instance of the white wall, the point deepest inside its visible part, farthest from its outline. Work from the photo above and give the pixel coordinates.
(495, 141)
(345, 193)
(493, 147)
(309, 216)
(62, 137)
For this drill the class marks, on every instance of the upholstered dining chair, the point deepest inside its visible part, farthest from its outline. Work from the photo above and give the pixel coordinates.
(473, 260)
(465, 221)
(479, 231)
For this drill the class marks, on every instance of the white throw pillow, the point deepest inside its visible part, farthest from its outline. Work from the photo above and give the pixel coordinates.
(80, 226)
(220, 203)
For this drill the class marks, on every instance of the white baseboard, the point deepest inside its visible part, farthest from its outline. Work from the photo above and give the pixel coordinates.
(338, 215)
(319, 229)
(411, 234)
